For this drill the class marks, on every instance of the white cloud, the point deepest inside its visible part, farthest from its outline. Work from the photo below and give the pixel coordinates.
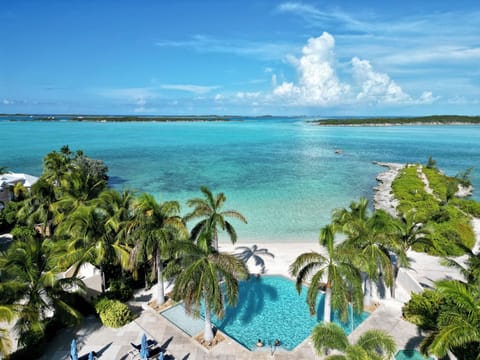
(376, 86)
(144, 110)
(274, 80)
(196, 89)
(7, 102)
(245, 95)
(435, 54)
(318, 83)
(316, 17)
(427, 98)
(208, 44)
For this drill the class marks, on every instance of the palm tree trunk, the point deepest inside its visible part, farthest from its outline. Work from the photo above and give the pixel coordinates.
(104, 285)
(215, 241)
(396, 269)
(160, 289)
(145, 269)
(367, 299)
(327, 309)
(208, 332)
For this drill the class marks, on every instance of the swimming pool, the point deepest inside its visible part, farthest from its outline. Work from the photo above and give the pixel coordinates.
(411, 355)
(270, 308)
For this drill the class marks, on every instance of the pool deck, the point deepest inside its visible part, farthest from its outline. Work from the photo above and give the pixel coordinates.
(114, 344)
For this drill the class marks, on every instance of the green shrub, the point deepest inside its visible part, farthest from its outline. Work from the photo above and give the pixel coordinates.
(120, 289)
(437, 182)
(471, 207)
(423, 309)
(113, 313)
(450, 225)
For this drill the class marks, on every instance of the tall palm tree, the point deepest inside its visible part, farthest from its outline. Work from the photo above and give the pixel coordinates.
(371, 236)
(341, 279)
(33, 287)
(458, 326)
(200, 280)
(56, 166)
(372, 345)
(246, 253)
(153, 227)
(208, 209)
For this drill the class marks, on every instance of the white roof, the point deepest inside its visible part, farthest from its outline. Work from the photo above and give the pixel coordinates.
(13, 178)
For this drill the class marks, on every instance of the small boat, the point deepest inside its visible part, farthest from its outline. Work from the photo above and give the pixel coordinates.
(338, 151)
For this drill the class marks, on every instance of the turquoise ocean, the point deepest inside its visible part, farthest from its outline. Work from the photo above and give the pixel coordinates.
(281, 173)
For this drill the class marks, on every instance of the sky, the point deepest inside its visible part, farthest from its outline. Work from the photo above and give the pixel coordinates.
(240, 57)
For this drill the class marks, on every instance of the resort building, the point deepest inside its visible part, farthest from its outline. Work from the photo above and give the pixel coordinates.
(9, 180)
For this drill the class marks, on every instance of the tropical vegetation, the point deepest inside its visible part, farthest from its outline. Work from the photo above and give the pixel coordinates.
(414, 120)
(208, 209)
(199, 283)
(70, 218)
(334, 273)
(371, 345)
(444, 214)
(450, 313)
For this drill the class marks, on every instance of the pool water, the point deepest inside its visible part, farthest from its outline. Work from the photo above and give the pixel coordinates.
(411, 355)
(270, 308)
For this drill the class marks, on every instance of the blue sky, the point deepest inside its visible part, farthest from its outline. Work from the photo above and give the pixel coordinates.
(240, 57)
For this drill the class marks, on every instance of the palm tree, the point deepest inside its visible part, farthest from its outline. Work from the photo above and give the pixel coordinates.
(208, 209)
(372, 345)
(371, 236)
(38, 206)
(200, 279)
(470, 269)
(341, 279)
(154, 226)
(7, 314)
(246, 253)
(458, 326)
(35, 292)
(56, 166)
(89, 239)
(408, 233)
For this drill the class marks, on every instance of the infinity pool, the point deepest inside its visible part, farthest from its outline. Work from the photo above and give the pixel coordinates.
(269, 308)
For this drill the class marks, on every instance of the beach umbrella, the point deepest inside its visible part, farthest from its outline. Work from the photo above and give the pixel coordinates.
(73, 350)
(160, 357)
(90, 355)
(144, 347)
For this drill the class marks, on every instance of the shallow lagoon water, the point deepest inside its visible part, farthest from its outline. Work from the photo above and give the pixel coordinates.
(282, 174)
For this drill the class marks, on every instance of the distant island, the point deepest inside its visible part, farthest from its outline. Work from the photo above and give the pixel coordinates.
(391, 121)
(115, 118)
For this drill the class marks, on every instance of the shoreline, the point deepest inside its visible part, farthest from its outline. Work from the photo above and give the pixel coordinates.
(383, 198)
(435, 123)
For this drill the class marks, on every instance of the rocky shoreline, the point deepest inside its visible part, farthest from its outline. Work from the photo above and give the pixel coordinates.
(383, 197)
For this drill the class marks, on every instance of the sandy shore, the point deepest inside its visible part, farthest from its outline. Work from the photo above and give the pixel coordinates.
(285, 254)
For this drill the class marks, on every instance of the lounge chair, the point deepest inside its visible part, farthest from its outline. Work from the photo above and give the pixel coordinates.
(134, 352)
